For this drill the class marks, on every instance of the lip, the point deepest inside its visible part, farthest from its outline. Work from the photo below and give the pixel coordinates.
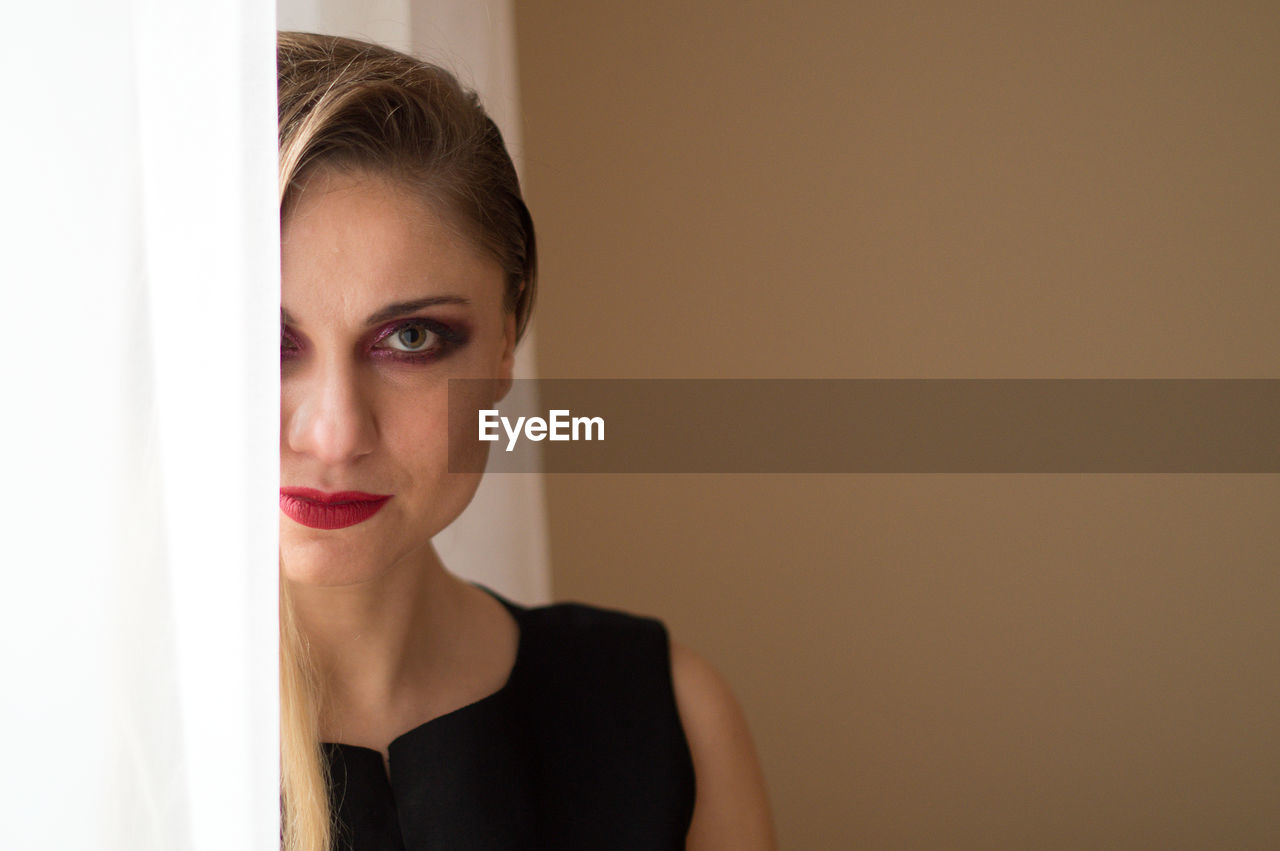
(320, 510)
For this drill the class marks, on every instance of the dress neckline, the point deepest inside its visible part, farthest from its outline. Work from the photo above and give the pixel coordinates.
(488, 700)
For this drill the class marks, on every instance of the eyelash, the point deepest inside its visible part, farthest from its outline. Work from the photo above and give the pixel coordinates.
(449, 339)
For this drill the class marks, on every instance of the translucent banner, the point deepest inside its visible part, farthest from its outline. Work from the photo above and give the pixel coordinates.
(868, 426)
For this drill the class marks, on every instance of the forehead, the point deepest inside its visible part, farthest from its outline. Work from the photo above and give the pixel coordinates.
(353, 242)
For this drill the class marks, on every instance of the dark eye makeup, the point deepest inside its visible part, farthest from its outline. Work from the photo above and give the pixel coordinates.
(416, 340)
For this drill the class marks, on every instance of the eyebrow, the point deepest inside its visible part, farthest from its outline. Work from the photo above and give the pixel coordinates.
(399, 308)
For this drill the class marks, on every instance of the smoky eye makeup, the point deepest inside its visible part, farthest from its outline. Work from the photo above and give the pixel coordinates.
(417, 340)
(413, 340)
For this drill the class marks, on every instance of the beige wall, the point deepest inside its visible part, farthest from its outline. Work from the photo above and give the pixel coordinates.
(739, 189)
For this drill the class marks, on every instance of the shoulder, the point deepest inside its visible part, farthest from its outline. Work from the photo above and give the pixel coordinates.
(605, 654)
(566, 626)
(704, 695)
(630, 660)
(584, 631)
(580, 617)
(595, 691)
(731, 809)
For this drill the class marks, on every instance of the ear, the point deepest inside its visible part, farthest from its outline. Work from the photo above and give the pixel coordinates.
(507, 366)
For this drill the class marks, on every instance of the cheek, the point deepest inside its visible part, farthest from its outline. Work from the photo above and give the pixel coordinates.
(416, 432)
(421, 437)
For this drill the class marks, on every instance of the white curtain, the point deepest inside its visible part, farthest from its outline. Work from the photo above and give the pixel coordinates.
(501, 539)
(140, 264)
(139, 341)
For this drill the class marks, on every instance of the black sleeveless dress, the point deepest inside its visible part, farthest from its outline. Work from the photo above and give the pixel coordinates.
(582, 748)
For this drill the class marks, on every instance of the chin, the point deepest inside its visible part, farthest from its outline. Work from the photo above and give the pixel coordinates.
(320, 563)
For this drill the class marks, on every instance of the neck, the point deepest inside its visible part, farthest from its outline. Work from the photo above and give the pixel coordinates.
(376, 644)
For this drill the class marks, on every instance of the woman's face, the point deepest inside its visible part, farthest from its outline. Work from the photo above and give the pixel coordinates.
(381, 304)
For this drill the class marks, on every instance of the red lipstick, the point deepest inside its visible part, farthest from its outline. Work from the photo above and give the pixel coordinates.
(321, 510)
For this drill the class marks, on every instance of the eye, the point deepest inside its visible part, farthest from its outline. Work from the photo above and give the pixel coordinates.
(412, 337)
(418, 340)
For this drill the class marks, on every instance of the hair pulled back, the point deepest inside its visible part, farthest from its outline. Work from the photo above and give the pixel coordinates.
(351, 104)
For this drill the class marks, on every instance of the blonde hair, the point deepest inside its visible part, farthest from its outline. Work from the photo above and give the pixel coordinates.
(353, 105)
(304, 779)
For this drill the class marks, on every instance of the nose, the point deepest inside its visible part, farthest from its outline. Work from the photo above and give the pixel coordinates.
(327, 416)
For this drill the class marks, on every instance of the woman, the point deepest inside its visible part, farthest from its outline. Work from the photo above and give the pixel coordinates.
(419, 710)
